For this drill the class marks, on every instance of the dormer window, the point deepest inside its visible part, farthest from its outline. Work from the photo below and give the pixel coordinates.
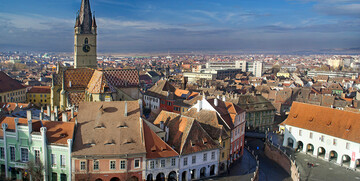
(204, 141)
(100, 126)
(192, 143)
(110, 142)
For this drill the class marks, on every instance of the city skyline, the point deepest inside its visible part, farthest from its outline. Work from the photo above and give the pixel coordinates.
(161, 26)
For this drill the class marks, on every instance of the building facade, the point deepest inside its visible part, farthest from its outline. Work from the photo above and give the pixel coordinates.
(11, 90)
(325, 133)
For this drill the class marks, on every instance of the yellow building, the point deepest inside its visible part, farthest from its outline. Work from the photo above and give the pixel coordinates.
(283, 74)
(39, 95)
(11, 90)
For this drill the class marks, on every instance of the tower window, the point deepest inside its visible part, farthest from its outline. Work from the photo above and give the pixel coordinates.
(86, 41)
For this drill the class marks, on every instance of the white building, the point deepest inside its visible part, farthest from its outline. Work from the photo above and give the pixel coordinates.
(199, 165)
(256, 67)
(325, 133)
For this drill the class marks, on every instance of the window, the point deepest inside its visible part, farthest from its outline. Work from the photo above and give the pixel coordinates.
(334, 142)
(300, 133)
(83, 165)
(213, 155)
(224, 144)
(152, 165)
(223, 155)
(112, 165)
(12, 153)
(185, 161)
(2, 153)
(193, 159)
(63, 177)
(37, 156)
(54, 176)
(96, 164)
(311, 135)
(347, 145)
(62, 161)
(122, 164)
(162, 102)
(176, 108)
(53, 160)
(205, 157)
(137, 163)
(24, 155)
(169, 103)
(86, 41)
(162, 163)
(173, 162)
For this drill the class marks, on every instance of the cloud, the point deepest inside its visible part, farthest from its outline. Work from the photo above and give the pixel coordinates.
(337, 9)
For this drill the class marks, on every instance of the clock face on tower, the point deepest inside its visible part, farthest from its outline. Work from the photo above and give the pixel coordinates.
(86, 48)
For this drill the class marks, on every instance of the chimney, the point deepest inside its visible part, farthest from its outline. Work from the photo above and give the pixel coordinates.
(72, 111)
(16, 105)
(56, 112)
(167, 134)
(125, 109)
(223, 98)
(199, 102)
(30, 130)
(218, 97)
(41, 116)
(168, 93)
(48, 110)
(64, 117)
(42, 109)
(141, 107)
(28, 115)
(52, 116)
(162, 125)
(216, 102)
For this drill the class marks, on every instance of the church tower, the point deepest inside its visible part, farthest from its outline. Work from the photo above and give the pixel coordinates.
(85, 38)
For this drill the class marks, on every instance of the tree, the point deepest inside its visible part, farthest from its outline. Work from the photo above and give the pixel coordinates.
(35, 169)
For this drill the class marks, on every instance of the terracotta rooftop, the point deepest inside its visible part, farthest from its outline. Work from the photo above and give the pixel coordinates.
(155, 146)
(186, 135)
(40, 89)
(334, 122)
(57, 132)
(11, 106)
(103, 129)
(8, 84)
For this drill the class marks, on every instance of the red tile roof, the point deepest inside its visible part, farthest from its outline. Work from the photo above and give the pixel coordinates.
(40, 89)
(334, 122)
(8, 84)
(155, 146)
(57, 132)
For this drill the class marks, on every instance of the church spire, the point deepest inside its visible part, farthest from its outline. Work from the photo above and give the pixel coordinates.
(85, 19)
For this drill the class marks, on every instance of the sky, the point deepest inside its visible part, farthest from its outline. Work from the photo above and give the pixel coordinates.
(127, 26)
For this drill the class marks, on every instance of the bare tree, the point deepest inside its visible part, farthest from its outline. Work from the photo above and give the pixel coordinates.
(35, 169)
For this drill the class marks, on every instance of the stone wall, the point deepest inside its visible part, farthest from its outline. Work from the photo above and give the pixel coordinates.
(280, 157)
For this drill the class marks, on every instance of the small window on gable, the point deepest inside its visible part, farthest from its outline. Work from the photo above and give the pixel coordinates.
(86, 41)
(205, 141)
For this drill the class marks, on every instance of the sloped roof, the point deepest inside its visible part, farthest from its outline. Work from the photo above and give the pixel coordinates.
(334, 122)
(122, 77)
(8, 84)
(161, 89)
(57, 132)
(98, 83)
(40, 89)
(155, 146)
(210, 121)
(11, 106)
(185, 133)
(103, 129)
(252, 103)
(78, 78)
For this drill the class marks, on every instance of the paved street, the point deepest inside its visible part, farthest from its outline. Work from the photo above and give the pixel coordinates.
(323, 170)
(242, 170)
(269, 170)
